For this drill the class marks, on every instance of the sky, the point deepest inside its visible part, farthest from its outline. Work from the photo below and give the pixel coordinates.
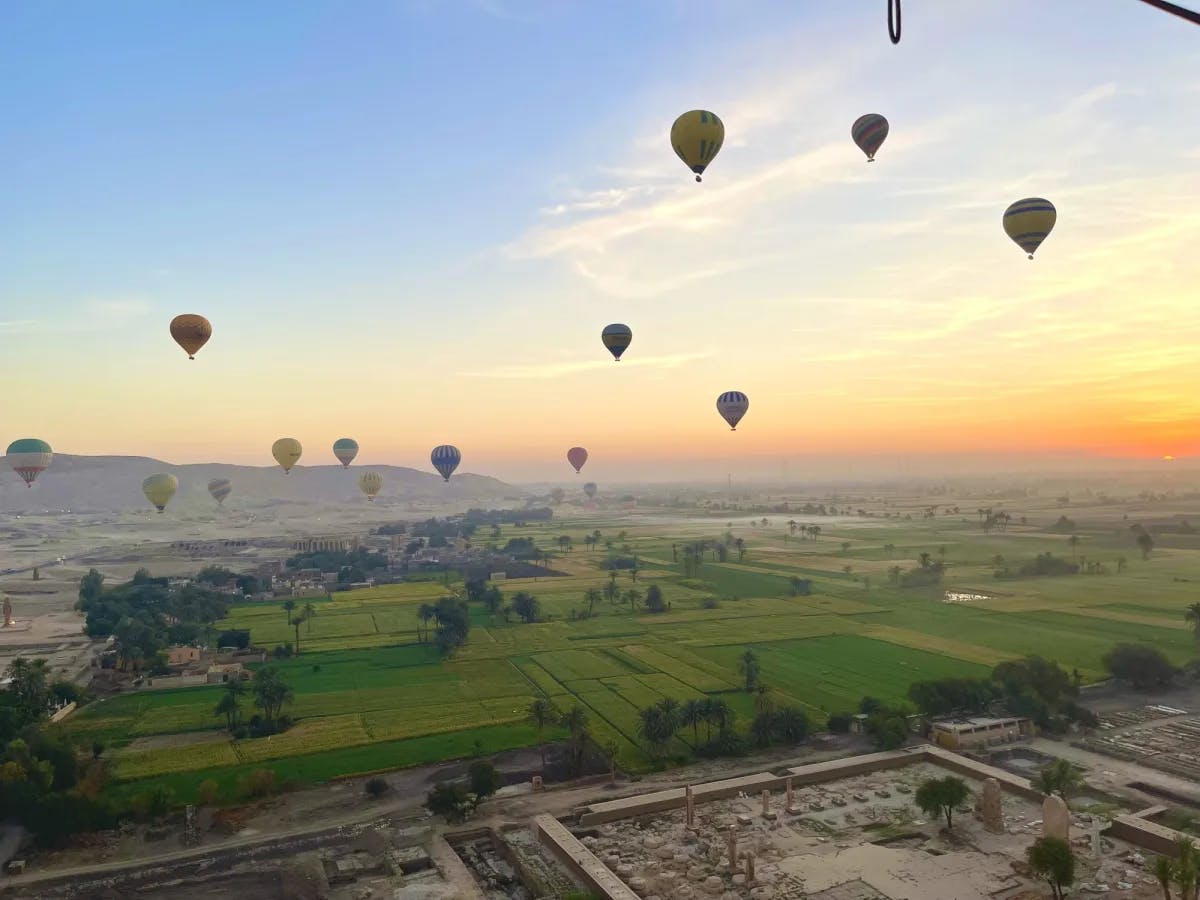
(409, 220)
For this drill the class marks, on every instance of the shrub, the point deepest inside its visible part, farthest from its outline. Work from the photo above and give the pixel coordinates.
(206, 792)
(710, 603)
(839, 723)
(484, 779)
(259, 783)
(376, 787)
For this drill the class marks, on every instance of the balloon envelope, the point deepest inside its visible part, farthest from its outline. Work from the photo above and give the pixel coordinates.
(1029, 222)
(286, 452)
(732, 405)
(697, 136)
(617, 338)
(445, 459)
(29, 457)
(370, 483)
(869, 132)
(191, 332)
(590, 489)
(159, 489)
(577, 456)
(220, 488)
(345, 449)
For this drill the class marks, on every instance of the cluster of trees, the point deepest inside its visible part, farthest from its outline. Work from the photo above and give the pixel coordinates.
(659, 724)
(45, 784)
(1182, 872)
(1043, 564)
(1031, 686)
(219, 576)
(1141, 665)
(456, 801)
(543, 715)
(452, 623)
(654, 600)
(1143, 539)
(928, 572)
(439, 532)
(270, 694)
(362, 559)
(518, 517)
(145, 615)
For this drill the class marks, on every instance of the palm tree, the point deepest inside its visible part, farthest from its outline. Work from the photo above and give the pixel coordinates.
(541, 714)
(309, 612)
(1187, 867)
(1073, 540)
(763, 701)
(1121, 563)
(228, 705)
(633, 598)
(575, 721)
(424, 613)
(1164, 871)
(692, 713)
(1193, 615)
(591, 598)
(1060, 777)
(288, 606)
(749, 668)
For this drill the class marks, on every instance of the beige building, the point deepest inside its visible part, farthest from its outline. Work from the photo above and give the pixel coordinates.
(963, 734)
(182, 656)
(223, 672)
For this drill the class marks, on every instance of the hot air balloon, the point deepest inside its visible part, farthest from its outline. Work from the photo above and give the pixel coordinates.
(370, 483)
(869, 132)
(345, 449)
(697, 137)
(220, 488)
(577, 456)
(617, 338)
(732, 405)
(445, 459)
(191, 332)
(287, 453)
(159, 489)
(590, 489)
(1029, 222)
(29, 457)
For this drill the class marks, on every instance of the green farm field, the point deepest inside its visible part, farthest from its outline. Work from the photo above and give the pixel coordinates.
(370, 696)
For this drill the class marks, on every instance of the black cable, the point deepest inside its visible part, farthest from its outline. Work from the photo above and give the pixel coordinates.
(1174, 9)
(894, 20)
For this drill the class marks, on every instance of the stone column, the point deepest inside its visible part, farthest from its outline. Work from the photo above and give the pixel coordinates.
(989, 806)
(766, 798)
(749, 868)
(731, 848)
(1056, 818)
(789, 790)
(690, 801)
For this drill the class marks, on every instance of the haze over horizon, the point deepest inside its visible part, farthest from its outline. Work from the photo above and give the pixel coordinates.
(394, 249)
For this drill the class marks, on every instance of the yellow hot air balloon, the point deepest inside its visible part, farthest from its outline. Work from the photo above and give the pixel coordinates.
(697, 137)
(287, 453)
(159, 489)
(370, 483)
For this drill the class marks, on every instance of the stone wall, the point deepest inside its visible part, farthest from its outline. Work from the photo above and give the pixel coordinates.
(580, 860)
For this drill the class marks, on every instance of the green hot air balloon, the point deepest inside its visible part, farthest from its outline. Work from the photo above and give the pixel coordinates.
(29, 457)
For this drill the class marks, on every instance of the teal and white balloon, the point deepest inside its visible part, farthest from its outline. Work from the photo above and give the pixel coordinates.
(29, 457)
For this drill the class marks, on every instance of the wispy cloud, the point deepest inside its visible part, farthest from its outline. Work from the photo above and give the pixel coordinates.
(564, 368)
(20, 326)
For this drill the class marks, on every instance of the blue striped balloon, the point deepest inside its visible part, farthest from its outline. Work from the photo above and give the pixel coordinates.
(732, 405)
(445, 459)
(1029, 222)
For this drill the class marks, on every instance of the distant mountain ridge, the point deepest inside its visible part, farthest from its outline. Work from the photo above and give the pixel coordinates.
(115, 482)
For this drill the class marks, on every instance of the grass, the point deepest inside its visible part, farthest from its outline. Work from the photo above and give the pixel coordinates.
(370, 696)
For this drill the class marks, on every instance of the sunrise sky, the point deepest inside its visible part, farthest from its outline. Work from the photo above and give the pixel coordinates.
(408, 222)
